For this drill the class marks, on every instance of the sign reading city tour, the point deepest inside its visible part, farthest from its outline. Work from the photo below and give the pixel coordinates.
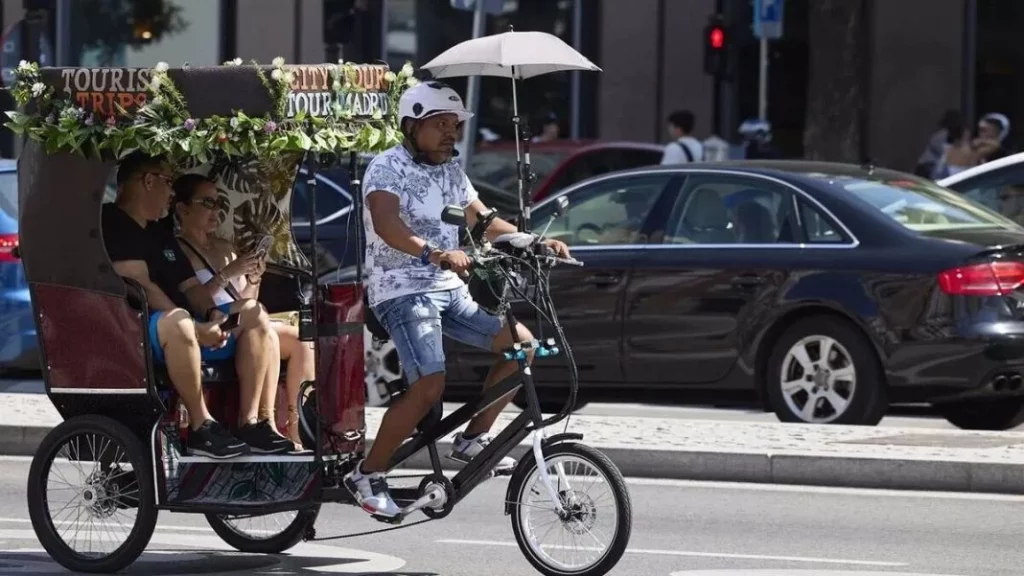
(363, 91)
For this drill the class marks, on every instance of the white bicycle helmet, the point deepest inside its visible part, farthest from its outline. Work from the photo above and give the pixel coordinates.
(431, 98)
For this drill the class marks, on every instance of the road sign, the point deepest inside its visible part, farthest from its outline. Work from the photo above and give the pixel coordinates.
(768, 18)
(496, 7)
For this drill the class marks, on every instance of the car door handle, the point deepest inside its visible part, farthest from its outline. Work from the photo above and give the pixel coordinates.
(748, 280)
(605, 279)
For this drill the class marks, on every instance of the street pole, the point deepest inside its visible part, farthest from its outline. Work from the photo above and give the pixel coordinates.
(577, 43)
(473, 90)
(762, 88)
(63, 56)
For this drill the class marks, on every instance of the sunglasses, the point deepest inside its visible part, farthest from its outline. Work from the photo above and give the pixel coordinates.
(208, 203)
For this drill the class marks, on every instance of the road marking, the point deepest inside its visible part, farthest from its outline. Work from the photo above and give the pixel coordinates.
(758, 572)
(691, 554)
(168, 527)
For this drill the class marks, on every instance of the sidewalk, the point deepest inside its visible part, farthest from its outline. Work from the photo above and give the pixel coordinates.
(850, 456)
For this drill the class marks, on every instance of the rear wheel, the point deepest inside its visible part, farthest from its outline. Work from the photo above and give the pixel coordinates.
(592, 535)
(90, 495)
(265, 534)
(823, 370)
(1001, 414)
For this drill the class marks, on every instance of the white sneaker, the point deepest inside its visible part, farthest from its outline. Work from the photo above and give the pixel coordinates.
(465, 449)
(371, 491)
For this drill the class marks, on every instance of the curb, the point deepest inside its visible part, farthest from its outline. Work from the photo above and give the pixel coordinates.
(806, 469)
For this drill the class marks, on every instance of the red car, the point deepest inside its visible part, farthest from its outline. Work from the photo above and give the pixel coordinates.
(559, 163)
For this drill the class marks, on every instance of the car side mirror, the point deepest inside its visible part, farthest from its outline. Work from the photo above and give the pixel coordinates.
(561, 204)
(453, 215)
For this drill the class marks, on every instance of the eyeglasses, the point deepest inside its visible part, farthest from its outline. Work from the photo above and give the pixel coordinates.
(208, 203)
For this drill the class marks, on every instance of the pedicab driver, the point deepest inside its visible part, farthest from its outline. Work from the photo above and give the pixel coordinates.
(139, 250)
(406, 187)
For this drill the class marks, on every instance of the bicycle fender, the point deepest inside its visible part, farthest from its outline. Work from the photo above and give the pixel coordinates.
(520, 470)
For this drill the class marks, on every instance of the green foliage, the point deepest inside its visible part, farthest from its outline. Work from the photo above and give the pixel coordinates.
(164, 126)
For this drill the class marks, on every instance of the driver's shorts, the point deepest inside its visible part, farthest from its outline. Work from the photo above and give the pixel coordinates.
(416, 322)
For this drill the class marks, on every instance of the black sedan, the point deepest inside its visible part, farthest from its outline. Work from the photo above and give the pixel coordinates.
(826, 292)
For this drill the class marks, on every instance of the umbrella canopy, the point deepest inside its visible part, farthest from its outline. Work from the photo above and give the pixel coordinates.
(527, 53)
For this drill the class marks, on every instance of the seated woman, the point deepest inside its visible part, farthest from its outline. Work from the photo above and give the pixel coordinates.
(230, 277)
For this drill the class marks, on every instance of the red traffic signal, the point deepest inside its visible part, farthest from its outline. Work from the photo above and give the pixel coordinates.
(717, 37)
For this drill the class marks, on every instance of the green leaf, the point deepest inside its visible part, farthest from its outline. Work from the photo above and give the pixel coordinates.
(303, 140)
(185, 144)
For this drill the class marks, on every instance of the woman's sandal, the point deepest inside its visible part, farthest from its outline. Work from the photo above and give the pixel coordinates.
(293, 428)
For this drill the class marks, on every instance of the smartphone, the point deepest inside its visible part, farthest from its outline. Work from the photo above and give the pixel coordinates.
(264, 245)
(231, 323)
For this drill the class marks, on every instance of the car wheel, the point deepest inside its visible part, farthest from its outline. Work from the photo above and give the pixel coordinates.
(381, 367)
(1002, 414)
(550, 402)
(824, 371)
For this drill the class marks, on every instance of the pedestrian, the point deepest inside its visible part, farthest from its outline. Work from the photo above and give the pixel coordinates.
(684, 148)
(933, 151)
(993, 128)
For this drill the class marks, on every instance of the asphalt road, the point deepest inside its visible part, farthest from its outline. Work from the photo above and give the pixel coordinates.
(680, 528)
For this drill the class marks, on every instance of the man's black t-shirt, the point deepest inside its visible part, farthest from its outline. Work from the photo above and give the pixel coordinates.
(126, 240)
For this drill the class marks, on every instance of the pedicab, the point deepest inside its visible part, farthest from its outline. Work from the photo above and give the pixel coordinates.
(252, 128)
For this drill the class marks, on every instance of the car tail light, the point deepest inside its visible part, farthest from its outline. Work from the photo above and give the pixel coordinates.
(8, 247)
(990, 279)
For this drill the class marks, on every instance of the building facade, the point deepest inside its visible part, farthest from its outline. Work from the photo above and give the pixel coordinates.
(926, 56)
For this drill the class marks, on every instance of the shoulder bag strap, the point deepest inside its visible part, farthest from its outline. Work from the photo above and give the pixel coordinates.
(230, 287)
(686, 150)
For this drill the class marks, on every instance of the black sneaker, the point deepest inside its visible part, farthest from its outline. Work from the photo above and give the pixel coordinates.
(213, 441)
(263, 439)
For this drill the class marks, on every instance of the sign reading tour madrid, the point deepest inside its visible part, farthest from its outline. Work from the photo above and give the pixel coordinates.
(363, 92)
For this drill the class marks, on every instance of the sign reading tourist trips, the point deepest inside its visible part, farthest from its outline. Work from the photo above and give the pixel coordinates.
(100, 90)
(363, 92)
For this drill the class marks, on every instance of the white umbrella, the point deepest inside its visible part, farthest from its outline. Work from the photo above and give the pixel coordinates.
(515, 55)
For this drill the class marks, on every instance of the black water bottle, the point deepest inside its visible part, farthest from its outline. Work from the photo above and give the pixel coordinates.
(306, 331)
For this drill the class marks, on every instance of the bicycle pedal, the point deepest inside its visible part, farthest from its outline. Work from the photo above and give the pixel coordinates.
(387, 519)
(503, 472)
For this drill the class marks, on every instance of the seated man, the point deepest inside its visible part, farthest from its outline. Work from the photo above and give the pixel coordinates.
(150, 256)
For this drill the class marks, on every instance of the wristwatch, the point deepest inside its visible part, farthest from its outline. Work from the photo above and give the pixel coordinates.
(425, 255)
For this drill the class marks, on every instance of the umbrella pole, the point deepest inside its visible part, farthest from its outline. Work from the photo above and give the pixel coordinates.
(522, 160)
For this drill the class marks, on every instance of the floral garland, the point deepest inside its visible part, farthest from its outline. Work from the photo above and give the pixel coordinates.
(164, 126)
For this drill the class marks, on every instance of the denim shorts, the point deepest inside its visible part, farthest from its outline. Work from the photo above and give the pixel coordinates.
(225, 352)
(417, 321)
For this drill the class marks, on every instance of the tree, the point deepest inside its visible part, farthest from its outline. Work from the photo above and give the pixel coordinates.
(110, 25)
(838, 84)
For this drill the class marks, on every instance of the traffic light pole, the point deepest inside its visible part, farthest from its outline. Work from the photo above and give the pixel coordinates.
(762, 85)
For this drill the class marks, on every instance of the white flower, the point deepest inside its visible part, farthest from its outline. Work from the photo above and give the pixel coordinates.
(234, 122)
(154, 82)
(289, 77)
(277, 75)
(158, 101)
(336, 86)
(407, 69)
(377, 114)
(23, 65)
(38, 88)
(390, 76)
(278, 62)
(341, 62)
(162, 66)
(237, 61)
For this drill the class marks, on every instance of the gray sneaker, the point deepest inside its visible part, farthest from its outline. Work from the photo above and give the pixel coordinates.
(465, 449)
(371, 492)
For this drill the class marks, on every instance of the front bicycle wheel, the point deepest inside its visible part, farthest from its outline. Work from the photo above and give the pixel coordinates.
(592, 533)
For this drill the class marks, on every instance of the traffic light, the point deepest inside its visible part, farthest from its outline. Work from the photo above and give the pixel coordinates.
(716, 48)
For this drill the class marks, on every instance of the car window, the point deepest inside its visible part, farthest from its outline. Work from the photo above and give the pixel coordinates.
(499, 169)
(605, 213)
(729, 209)
(8, 202)
(1000, 190)
(920, 205)
(817, 227)
(332, 202)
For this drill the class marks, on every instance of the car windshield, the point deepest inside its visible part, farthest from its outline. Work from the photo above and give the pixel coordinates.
(923, 206)
(498, 167)
(8, 202)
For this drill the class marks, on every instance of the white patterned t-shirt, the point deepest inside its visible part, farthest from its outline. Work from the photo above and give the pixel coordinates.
(423, 190)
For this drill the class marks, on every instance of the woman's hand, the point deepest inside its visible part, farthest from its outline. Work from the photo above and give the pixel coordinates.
(245, 264)
(210, 335)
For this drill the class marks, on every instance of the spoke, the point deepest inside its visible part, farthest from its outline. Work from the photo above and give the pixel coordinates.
(808, 410)
(838, 402)
(844, 374)
(826, 346)
(791, 387)
(799, 353)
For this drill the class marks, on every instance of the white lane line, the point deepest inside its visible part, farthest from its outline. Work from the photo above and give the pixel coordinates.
(159, 527)
(691, 554)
